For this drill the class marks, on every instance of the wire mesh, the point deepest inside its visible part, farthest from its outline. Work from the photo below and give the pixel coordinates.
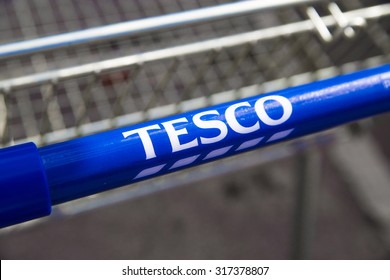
(141, 87)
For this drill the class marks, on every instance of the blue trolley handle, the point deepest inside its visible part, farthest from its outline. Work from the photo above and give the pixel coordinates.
(32, 179)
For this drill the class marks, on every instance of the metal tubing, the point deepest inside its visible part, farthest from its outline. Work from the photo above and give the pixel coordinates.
(188, 49)
(143, 25)
(308, 183)
(34, 179)
(96, 163)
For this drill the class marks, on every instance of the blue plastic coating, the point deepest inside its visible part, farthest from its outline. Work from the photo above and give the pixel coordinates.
(96, 163)
(24, 193)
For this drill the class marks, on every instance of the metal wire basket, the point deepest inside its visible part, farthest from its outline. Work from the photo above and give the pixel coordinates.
(66, 86)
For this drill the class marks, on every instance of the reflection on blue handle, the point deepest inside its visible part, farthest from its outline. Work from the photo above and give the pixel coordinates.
(115, 158)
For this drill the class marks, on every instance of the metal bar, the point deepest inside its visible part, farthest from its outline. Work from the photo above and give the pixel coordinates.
(365, 169)
(34, 179)
(307, 188)
(144, 25)
(319, 24)
(188, 49)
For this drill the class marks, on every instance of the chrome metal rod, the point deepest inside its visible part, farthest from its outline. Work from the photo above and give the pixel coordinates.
(143, 25)
(188, 49)
(306, 202)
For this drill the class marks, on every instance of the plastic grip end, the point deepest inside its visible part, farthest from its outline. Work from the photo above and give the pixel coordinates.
(24, 191)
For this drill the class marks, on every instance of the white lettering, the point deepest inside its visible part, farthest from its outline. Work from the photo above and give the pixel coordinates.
(204, 120)
(207, 124)
(173, 135)
(145, 138)
(231, 119)
(265, 118)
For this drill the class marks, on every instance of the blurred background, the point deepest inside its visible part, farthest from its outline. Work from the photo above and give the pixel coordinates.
(326, 196)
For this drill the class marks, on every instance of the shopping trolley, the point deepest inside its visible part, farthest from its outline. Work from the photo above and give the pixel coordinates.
(185, 65)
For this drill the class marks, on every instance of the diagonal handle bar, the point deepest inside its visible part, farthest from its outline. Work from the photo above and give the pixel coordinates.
(32, 179)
